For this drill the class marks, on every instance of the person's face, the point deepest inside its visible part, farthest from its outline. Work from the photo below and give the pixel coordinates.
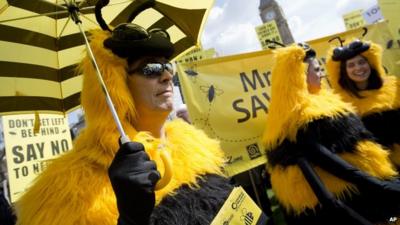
(358, 69)
(152, 92)
(314, 74)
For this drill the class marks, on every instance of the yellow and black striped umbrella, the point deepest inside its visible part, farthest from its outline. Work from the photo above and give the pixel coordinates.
(40, 45)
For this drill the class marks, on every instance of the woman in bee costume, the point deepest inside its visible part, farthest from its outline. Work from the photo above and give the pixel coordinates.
(325, 166)
(357, 74)
(75, 189)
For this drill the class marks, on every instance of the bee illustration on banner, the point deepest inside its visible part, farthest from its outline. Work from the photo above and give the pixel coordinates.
(211, 91)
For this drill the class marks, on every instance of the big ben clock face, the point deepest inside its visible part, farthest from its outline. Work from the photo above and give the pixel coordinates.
(270, 15)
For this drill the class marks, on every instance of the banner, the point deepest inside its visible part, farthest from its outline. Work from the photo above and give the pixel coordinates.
(228, 97)
(27, 152)
(354, 20)
(268, 31)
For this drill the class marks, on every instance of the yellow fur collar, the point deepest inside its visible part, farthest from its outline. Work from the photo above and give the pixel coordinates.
(193, 154)
(374, 101)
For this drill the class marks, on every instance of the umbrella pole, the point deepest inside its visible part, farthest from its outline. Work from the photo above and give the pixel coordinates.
(73, 10)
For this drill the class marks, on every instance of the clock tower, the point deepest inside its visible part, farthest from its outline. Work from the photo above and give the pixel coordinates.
(270, 10)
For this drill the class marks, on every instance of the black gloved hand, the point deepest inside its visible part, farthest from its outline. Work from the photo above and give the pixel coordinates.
(133, 177)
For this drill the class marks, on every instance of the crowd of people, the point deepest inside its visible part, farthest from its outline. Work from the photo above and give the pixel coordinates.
(333, 153)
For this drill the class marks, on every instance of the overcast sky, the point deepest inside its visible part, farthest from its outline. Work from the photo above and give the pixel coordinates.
(230, 27)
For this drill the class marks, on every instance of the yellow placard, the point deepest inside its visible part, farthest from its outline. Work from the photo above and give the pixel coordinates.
(354, 19)
(196, 55)
(268, 31)
(390, 10)
(27, 152)
(239, 209)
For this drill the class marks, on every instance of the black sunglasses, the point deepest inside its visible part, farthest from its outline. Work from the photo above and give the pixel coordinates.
(152, 70)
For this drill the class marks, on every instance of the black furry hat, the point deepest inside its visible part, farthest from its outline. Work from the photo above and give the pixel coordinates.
(349, 51)
(130, 40)
(310, 53)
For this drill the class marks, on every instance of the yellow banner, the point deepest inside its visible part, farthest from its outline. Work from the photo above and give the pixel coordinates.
(354, 20)
(228, 97)
(239, 209)
(268, 31)
(390, 10)
(28, 152)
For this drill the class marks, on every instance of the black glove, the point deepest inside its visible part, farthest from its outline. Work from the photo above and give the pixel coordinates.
(133, 177)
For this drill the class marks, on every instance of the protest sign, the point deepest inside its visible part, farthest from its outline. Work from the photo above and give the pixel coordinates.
(373, 15)
(268, 31)
(354, 20)
(27, 152)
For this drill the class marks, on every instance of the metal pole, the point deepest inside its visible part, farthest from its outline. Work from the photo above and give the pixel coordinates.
(73, 9)
(254, 188)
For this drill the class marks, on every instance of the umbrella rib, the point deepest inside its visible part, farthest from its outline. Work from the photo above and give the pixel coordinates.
(84, 16)
(65, 25)
(29, 17)
(82, 2)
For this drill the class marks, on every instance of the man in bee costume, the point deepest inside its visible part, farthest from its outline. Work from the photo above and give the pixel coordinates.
(325, 166)
(378, 101)
(75, 189)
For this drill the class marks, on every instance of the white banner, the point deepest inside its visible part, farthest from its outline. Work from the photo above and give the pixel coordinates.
(373, 14)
